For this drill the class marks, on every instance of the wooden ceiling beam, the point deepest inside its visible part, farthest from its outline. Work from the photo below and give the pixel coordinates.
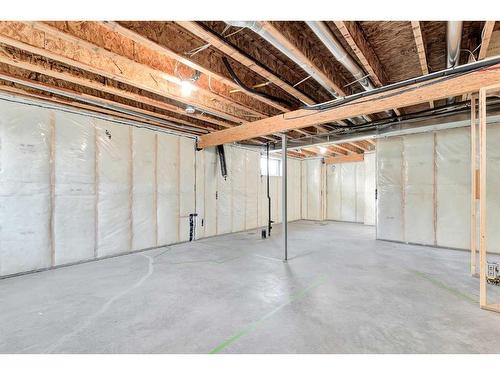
(168, 53)
(345, 159)
(403, 97)
(419, 42)
(335, 149)
(218, 43)
(361, 146)
(486, 38)
(49, 42)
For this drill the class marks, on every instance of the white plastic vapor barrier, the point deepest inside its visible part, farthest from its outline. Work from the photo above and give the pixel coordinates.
(238, 188)
(225, 195)
(419, 188)
(187, 180)
(312, 185)
(210, 194)
(75, 203)
(114, 204)
(370, 186)
(25, 152)
(345, 192)
(252, 181)
(168, 189)
(390, 213)
(493, 188)
(144, 189)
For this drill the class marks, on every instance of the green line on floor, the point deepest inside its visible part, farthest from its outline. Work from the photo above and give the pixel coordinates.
(252, 326)
(442, 285)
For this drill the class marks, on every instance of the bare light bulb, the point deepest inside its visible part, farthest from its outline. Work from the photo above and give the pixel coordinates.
(322, 150)
(186, 88)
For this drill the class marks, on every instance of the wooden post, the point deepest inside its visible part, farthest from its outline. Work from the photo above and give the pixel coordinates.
(473, 190)
(482, 197)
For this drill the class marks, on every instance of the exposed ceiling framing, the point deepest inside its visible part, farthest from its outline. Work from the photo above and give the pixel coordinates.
(135, 69)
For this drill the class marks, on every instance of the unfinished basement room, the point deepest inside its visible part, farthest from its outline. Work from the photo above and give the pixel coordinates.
(287, 187)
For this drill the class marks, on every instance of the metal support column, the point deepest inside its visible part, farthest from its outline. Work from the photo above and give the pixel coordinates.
(284, 215)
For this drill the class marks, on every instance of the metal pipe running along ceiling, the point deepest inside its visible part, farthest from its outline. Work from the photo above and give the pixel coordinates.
(259, 29)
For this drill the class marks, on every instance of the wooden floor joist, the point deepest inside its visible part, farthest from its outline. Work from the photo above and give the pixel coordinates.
(413, 94)
(167, 53)
(47, 41)
(419, 42)
(199, 31)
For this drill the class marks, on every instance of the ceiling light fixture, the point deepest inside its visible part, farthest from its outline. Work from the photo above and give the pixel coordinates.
(322, 150)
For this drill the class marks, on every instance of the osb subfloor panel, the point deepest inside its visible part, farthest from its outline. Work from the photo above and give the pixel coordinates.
(340, 292)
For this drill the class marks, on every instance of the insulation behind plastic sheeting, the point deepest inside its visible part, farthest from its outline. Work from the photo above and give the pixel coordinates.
(390, 189)
(210, 173)
(334, 192)
(293, 192)
(224, 195)
(345, 192)
(168, 189)
(453, 188)
(186, 185)
(25, 148)
(348, 187)
(75, 198)
(360, 192)
(252, 181)
(419, 188)
(313, 196)
(114, 146)
(143, 207)
(200, 194)
(493, 188)
(370, 186)
(238, 156)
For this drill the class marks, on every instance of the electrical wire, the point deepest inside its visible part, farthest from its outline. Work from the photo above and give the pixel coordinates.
(250, 89)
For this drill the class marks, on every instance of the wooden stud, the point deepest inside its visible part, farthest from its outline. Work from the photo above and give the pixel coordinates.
(482, 197)
(473, 222)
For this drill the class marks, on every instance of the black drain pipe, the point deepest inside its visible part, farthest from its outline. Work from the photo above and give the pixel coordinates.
(222, 158)
(269, 221)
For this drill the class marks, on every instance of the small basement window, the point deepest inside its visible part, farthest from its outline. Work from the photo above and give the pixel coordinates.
(274, 166)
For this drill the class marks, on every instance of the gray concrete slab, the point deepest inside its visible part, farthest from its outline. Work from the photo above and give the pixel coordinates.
(340, 292)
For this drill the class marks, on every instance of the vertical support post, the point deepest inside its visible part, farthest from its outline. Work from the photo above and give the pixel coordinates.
(473, 190)
(482, 198)
(269, 220)
(284, 215)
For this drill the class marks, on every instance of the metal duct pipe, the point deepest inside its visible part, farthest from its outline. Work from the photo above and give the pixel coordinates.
(341, 55)
(259, 29)
(453, 40)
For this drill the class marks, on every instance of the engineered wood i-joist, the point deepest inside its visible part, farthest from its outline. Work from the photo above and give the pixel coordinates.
(166, 52)
(45, 40)
(419, 42)
(413, 94)
(232, 52)
(486, 38)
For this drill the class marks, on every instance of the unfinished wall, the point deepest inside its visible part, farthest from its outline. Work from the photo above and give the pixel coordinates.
(313, 188)
(424, 188)
(75, 187)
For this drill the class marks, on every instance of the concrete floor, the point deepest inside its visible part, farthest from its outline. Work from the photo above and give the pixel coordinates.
(340, 292)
